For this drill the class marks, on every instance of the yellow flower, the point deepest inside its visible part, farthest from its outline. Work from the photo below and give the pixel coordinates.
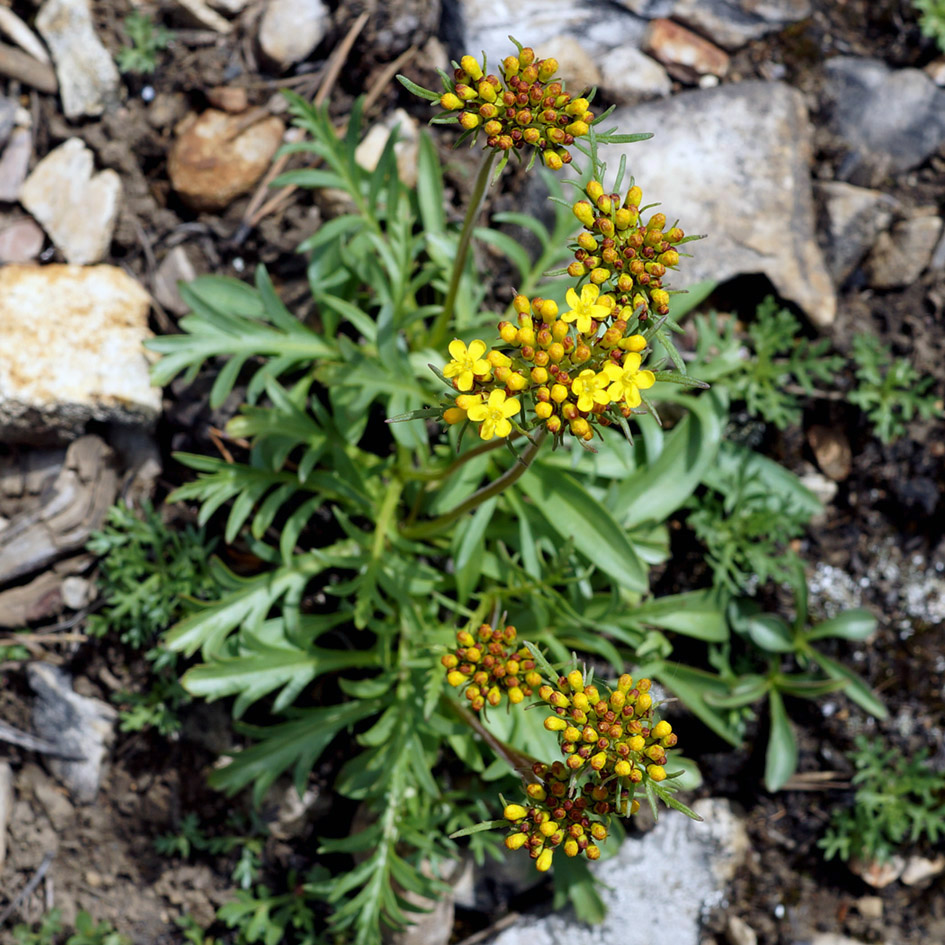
(493, 416)
(585, 308)
(629, 380)
(466, 362)
(590, 387)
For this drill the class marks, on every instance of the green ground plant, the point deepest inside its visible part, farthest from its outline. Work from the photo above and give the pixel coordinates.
(146, 41)
(899, 801)
(50, 932)
(405, 520)
(932, 19)
(890, 391)
(150, 575)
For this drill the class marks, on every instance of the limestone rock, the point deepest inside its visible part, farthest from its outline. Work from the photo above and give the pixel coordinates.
(686, 54)
(733, 23)
(20, 241)
(485, 25)
(174, 268)
(214, 159)
(202, 13)
(891, 120)
(71, 338)
(733, 163)
(291, 29)
(15, 162)
(576, 66)
(78, 724)
(369, 151)
(690, 864)
(855, 217)
(899, 257)
(76, 207)
(88, 76)
(630, 74)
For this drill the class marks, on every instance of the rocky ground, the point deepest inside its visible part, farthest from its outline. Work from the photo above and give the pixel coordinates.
(806, 137)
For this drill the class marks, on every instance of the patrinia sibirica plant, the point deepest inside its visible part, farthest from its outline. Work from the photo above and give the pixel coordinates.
(384, 566)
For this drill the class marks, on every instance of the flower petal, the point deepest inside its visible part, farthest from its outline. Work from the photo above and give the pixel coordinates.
(477, 412)
(645, 379)
(457, 349)
(589, 294)
(503, 427)
(510, 407)
(632, 361)
(476, 349)
(496, 399)
(571, 297)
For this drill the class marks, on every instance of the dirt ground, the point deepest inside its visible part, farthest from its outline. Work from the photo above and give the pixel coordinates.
(883, 529)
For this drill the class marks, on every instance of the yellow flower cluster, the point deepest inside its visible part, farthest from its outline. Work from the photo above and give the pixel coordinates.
(610, 743)
(619, 252)
(489, 665)
(571, 379)
(524, 108)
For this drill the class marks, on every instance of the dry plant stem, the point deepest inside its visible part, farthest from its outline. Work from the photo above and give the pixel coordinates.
(511, 475)
(438, 332)
(19, 65)
(27, 890)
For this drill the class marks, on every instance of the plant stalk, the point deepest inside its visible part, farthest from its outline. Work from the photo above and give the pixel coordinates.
(510, 476)
(440, 325)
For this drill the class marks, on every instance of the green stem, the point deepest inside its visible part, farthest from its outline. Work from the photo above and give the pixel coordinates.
(438, 331)
(426, 529)
(433, 475)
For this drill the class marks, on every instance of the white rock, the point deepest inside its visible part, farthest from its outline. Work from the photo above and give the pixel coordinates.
(21, 241)
(75, 206)
(199, 10)
(88, 76)
(631, 73)
(920, 868)
(689, 863)
(733, 163)
(899, 257)
(71, 341)
(575, 65)
(870, 907)
(732, 23)
(739, 932)
(15, 163)
(229, 6)
(487, 24)
(832, 938)
(369, 151)
(856, 216)
(291, 29)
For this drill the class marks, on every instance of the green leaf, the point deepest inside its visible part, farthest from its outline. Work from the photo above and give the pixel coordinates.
(575, 883)
(850, 625)
(575, 515)
(296, 744)
(747, 690)
(769, 632)
(468, 544)
(428, 94)
(781, 754)
(479, 828)
(689, 450)
(696, 614)
(670, 801)
(855, 688)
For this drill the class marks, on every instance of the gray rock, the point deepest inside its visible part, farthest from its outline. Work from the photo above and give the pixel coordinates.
(855, 217)
(8, 110)
(176, 267)
(938, 255)
(291, 29)
(631, 74)
(577, 67)
(649, 8)
(88, 76)
(689, 863)
(20, 241)
(890, 120)
(485, 25)
(77, 724)
(900, 256)
(71, 339)
(733, 163)
(732, 23)
(76, 207)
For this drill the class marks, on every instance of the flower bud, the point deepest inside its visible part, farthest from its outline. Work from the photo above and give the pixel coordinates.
(584, 212)
(634, 196)
(451, 102)
(599, 275)
(656, 772)
(554, 723)
(515, 841)
(576, 270)
(543, 863)
(644, 701)
(546, 69)
(471, 67)
(514, 812)
(661, 729)
(468, 121)
(577, 129)
(552, 161)
(454, 415)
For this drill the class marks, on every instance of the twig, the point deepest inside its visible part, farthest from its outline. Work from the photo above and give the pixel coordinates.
(24, 639)
(14, 736)
(28, 888)
(498, 926)
(254, 211)
(799, 391)
(18, 65)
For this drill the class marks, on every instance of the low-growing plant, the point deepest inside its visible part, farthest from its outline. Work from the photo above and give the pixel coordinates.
(150, 575)
(764, 368)
(404, 521)
(890, 391)
(932, 19)
(898, 801)
(86, 932)
(146, 41)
